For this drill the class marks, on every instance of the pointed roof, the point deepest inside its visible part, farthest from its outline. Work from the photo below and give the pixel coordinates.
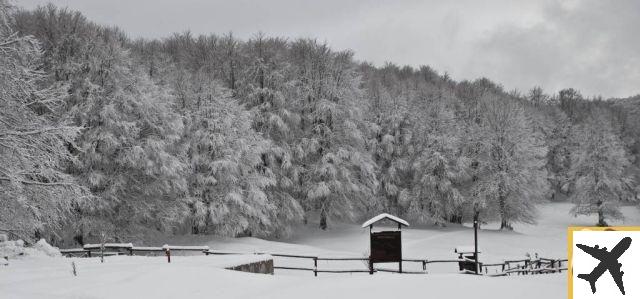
(385, 216)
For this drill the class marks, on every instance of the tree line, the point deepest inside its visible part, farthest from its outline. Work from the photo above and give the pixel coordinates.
(210, 134)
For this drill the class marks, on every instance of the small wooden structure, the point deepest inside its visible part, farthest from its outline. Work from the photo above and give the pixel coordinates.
(468, 256)
(386, 246)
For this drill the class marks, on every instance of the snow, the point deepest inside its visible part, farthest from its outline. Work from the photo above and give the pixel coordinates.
(466, 249)
(15, 249)
(175, 247)
(45, 248)
(385, 216)
(200, 276)
(143, 248)
(203, 277)
(108, 245)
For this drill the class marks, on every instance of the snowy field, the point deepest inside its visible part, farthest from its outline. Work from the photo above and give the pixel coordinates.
(204, 276)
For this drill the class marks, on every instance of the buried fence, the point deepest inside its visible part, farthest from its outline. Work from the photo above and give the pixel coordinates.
(508, 267)
(528, 266)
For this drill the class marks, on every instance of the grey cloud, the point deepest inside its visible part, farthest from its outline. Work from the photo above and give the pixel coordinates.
(590, 45)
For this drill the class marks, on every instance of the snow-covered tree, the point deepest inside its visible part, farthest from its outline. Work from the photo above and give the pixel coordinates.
(599, 170)
(266, 88)
(127, 149)
(438, 168)
(393, 147)
(339, 175)
(35, 192)
(511, 174)
(227, 178)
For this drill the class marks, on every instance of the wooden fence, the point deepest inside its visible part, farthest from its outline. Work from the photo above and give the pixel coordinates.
(508, 267)
(526, 267)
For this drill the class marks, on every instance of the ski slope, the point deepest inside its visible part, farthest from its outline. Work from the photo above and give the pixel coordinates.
(204, 277)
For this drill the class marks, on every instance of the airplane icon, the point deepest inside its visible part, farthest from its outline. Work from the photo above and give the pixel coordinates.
(608, 261)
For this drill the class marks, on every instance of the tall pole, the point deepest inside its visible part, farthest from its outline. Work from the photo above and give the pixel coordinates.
(475, 241)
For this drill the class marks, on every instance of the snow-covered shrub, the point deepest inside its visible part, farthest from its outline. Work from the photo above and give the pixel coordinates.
(12, 249)
(43, 247)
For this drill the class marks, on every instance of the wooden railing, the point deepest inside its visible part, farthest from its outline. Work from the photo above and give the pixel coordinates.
(508, 267)
(527, 266)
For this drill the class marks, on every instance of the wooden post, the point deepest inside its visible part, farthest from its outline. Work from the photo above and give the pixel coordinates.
(559, 266)
(475, 241)
(315, 266)
(400, 263)
(167, 251)
(370, 266)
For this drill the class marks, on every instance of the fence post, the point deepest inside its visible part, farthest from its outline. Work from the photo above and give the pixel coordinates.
(559, 266)
(167, 251)
(315, 266)
(370, 266)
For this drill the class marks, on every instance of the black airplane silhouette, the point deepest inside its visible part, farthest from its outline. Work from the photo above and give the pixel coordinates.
(608, 261)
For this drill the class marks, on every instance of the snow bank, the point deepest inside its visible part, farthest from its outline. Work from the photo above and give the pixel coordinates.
(43, 247)
(13, 249)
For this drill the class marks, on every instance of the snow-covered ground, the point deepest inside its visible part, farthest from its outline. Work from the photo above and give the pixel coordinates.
(204, 276)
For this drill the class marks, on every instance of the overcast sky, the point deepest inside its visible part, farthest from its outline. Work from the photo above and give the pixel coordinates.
(591, 45)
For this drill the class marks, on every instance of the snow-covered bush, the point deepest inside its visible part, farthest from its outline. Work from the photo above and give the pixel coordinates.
(13, 249)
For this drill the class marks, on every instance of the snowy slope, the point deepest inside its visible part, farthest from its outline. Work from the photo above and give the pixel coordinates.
(125, 277)
(203, 276)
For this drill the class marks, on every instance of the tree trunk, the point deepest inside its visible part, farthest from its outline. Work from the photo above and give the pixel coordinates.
(323, 220)
(601, 221)
(504, 223)
(456, 217)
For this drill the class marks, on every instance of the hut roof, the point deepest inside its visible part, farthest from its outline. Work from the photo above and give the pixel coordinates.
(385, 216)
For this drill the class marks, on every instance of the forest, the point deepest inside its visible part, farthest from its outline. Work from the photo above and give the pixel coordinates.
(105, 135)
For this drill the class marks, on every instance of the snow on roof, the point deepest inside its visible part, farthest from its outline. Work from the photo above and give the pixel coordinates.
(466, 249)
(385, 216)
